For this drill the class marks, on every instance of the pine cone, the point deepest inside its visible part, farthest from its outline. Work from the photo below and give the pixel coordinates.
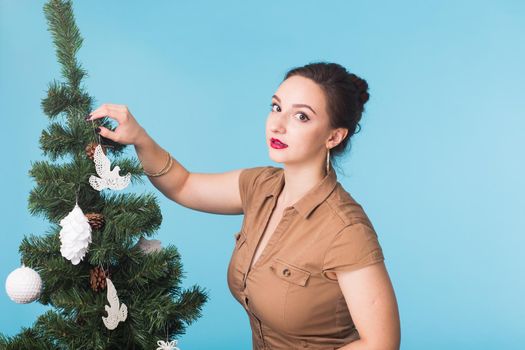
(96, 220)
(90, 150)
(97, 278)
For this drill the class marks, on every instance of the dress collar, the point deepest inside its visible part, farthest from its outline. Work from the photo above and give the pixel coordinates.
(313, 197)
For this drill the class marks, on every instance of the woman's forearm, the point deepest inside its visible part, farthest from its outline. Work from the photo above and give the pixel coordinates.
(153, 159)
(360, 344)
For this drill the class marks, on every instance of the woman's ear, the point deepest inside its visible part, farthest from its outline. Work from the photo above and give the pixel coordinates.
(337, 136)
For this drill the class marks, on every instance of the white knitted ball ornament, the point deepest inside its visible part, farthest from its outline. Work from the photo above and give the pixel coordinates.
(23, 285)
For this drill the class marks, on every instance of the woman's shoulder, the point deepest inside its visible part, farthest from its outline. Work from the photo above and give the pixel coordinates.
(347, 208)
(259, 174)
(257, 180)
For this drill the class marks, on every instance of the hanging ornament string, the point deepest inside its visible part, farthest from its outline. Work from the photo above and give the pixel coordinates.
(76, 194)
(97, 136)
(77, 191)
(167, 345)
(107, 177)
(104, 270)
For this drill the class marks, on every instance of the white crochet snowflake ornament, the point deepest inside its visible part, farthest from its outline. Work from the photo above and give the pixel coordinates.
(75, 235)
(108, 178)
(167, 345)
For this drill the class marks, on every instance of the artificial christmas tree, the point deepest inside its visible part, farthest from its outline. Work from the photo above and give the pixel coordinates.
(142, 306)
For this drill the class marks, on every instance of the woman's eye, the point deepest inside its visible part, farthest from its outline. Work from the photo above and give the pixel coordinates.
(304, 115)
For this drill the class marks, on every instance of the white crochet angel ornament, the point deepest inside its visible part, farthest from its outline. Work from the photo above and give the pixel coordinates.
(108, 178)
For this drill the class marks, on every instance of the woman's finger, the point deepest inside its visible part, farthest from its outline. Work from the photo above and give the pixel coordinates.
(108, 110)
(105, 132)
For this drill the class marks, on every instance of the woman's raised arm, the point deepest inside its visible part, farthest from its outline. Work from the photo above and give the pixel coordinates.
(213, 193)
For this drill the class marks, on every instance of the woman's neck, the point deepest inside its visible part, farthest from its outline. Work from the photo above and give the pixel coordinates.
(298, 181)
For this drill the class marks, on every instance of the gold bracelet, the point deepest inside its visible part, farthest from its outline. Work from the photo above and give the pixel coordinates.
(168, 168)
(164, 170)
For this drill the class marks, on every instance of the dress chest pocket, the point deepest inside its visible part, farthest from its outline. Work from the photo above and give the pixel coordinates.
(290, 273)
(240, 239)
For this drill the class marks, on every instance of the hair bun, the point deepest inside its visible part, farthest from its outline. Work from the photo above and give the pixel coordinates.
(361, 87)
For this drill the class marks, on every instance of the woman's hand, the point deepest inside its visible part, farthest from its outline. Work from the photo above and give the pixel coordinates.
(128, 130)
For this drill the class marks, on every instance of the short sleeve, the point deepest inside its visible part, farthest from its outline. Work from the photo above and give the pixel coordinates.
(354, 247)
(247, 184)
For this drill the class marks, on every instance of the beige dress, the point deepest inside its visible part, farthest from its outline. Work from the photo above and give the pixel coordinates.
(290, 301)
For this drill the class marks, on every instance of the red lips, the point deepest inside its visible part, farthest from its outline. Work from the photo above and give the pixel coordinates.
(276, 143)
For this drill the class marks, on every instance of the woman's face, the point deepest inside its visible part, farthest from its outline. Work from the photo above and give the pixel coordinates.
(299, 119)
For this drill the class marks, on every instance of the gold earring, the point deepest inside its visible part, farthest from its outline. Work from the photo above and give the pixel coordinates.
(327, 160)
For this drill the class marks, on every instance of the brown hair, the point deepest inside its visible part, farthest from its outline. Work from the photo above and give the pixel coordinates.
(346, 95)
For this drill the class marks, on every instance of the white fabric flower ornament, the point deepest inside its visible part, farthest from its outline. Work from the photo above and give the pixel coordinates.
(75, 235)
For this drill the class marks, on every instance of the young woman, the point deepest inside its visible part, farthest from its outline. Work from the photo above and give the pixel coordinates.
(307, 265)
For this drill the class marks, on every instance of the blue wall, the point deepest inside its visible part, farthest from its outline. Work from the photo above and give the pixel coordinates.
(438, 165)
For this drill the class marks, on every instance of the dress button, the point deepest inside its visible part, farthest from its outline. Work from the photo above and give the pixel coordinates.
(286, 272)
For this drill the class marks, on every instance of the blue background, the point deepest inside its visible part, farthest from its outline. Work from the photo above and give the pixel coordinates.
(438, 165)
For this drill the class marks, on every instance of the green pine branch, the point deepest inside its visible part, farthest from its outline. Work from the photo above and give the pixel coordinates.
(61, 97)
(57, 185)
(67, 40)
(28, 338)
(60, 140)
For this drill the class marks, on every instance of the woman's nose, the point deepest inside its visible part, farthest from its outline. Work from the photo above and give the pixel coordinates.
(277, 123)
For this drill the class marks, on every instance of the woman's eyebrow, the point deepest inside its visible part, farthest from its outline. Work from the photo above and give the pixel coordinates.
(296, 105)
